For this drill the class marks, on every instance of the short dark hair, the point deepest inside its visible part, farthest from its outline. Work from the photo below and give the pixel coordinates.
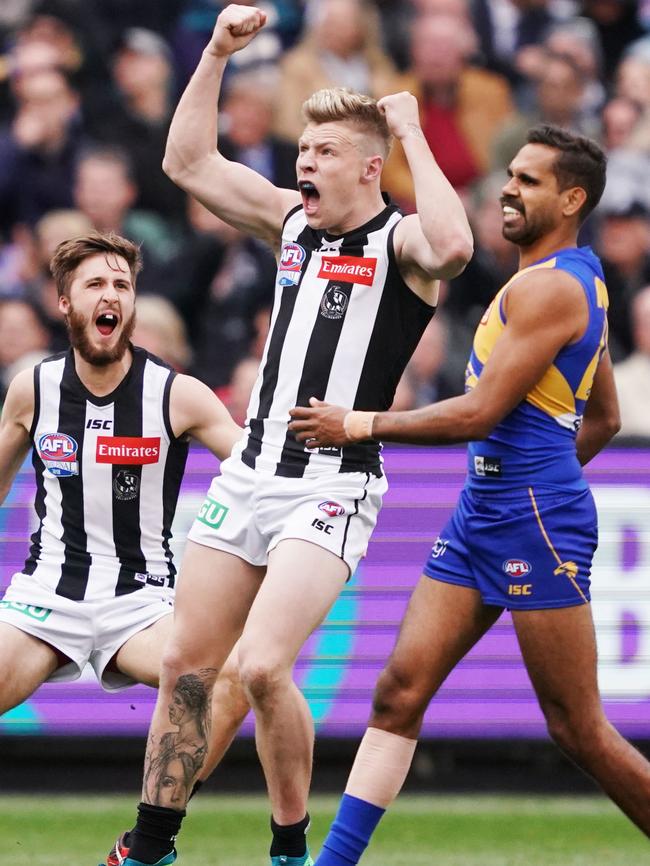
(71, 253)
(580, 162)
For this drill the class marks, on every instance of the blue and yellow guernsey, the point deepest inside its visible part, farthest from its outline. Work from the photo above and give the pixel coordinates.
(535, 443)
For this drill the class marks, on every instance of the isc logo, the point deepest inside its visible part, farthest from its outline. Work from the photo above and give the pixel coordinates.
(520, 589)
(321, 526)
(516, 567)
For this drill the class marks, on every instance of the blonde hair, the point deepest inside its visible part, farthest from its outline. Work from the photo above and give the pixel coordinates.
(338, 104)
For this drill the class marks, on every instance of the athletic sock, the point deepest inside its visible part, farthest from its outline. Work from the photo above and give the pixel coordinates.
(350, 833)
(126, 837)
(289, 839)
(154, 833)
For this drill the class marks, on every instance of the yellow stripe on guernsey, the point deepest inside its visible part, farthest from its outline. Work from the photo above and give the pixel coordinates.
(553, 394)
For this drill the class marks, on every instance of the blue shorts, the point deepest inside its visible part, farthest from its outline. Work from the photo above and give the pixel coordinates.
(521, 552)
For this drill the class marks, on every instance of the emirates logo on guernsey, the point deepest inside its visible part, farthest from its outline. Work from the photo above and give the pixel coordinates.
(348, 269)
(128, 449)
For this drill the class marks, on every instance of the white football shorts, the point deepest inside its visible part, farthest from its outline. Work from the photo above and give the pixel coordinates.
(248, 513)
(84, 631)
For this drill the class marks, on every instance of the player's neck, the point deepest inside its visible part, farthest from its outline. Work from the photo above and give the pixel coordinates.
(546, 246)
(362, 214)
(102, 380)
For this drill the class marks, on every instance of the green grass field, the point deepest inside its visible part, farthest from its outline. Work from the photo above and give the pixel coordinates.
(418, 831)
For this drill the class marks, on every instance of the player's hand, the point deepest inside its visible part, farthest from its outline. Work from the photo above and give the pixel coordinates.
(401, 112)
(319, 425)
(235, 27)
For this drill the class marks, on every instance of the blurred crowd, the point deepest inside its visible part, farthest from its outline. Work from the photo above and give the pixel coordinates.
(88, 87)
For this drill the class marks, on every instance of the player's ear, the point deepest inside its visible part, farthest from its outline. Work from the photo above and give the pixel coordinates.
(574, 198)
(64, 304)
(372, 168)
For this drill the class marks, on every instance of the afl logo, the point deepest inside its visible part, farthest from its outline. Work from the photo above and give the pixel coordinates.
(57, 446)
(332, 509)
(517, 567)
(58, 452)
(334, 303)
(291, 260)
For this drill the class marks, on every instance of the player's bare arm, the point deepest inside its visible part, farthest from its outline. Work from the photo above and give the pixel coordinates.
(196, 411)
(15, 422)
(436, 242)
(602, 418)
(545, 312)
(232, 191)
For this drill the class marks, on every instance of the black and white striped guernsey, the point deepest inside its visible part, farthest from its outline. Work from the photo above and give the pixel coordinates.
(108, 473)
(343, 327)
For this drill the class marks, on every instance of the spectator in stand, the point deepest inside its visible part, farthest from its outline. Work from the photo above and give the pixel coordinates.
(340, 48)
(39, 149)
(237, 394)
(506, 28)
(558, 101)
(633, 374)
(283, 24)
(576, 38)
(51, 230)
(138, 121)
(462, 107)
(624, 249)
(24, 339)
(617, 25)
(620, 118)
(105, 191)
(247, 114)
(218, 282)
(160, 330)
(427, 373)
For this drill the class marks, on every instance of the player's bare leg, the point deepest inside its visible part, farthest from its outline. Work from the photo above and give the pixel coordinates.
(215, 592)
(302, 582)
(141, 657)
(442, 623)
(559, 649)
(26, 663)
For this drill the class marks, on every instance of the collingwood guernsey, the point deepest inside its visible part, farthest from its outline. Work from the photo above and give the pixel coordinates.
(108, 472)
(344, 326)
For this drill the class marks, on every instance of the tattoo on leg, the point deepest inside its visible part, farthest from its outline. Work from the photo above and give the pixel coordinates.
(173, 760)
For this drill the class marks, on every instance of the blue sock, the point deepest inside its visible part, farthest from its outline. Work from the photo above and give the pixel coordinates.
(350, 833)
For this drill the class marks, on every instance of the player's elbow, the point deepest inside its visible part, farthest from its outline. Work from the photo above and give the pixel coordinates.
(478, 421)
(456, 257)
(612, 424)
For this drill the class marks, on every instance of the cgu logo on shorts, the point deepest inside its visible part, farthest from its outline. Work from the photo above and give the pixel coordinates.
(291, 258)
(58, 451)
(212, 513)
(30, 610)
(332, 509)
(516, 567)
(127, 450)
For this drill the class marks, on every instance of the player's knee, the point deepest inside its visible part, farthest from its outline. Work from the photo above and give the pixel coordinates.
(574, 730)
(260, 677)
(229, 689)
(396, 697)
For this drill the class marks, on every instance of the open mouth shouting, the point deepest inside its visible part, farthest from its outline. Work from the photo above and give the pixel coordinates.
(310, 196)
(106, 322)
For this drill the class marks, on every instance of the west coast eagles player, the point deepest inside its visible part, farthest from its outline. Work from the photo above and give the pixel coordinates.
(540, 403)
